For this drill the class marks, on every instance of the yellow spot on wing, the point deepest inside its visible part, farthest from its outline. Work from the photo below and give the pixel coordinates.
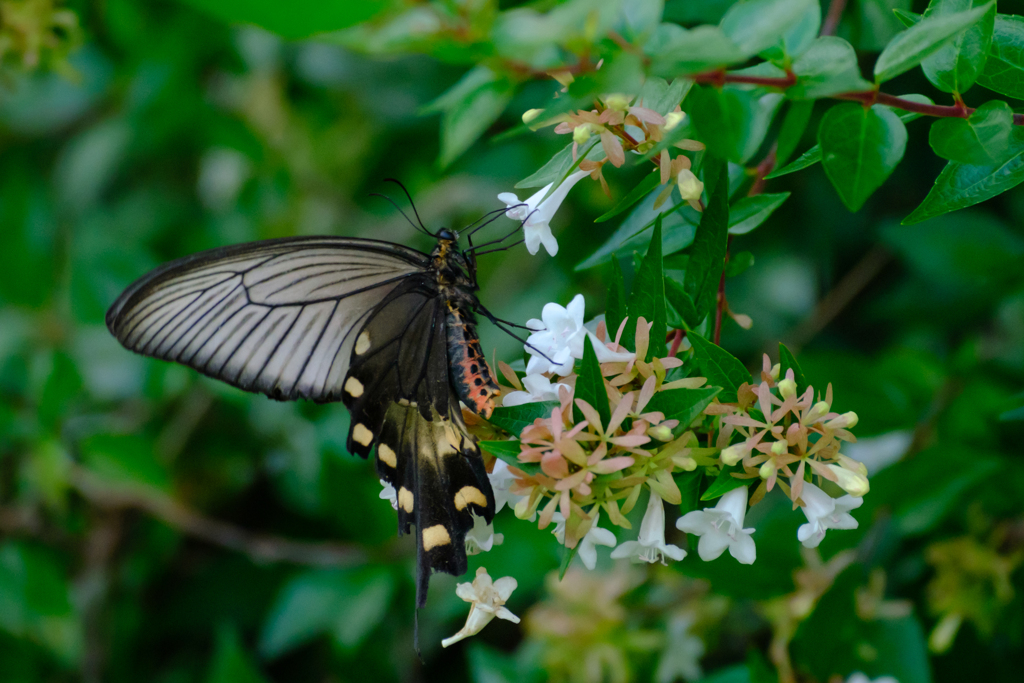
(362, 435)
(405, 501)
(435, 536)
(354, 387)
(363, 342)
(469, 494)
(387, 456)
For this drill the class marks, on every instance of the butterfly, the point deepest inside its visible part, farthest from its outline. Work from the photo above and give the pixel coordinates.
(387, 330)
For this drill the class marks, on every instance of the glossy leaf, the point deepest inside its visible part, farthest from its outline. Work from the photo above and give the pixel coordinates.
(590, 385)
(731, 122)
(514, 418)
(509, 452)
(924, 38)
(860, 148)
(757, 25)
(1004, 67)
(676, 295)
(962, 185)
(750, 212)
(793, 126)
(724, 483)
(684, 405)
(647, 299)
(720, 367)
(808, 158)
(631, 235)
(956, 65)
(641, 190)
(787, 361)
(983, 138)
(827, 68)
(560, 165)
(615, 308)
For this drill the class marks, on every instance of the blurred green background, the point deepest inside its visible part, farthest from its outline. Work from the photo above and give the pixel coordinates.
(159, 526)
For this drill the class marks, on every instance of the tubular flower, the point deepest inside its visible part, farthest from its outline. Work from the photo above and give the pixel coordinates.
(650, 546)
(721, 527)
(481, 538)
(824, 512)
(537, 211)
(487, 599)
(588, 544)
(538, 388)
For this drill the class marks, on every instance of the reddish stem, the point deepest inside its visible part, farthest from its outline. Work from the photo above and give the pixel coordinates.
(720, 303)
(719, 77)
(677, 339)
(831, 22)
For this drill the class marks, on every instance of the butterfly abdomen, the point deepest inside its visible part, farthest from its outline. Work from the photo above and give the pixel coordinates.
(470, 375)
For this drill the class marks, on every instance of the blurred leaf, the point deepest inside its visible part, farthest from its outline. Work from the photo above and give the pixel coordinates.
(590, 386)
(750, 212)
(887, 646)
(469, 108)
(615, 307)
(513, 419)
(650, 181)
(756, 25)
(707, 254)
(860, 148)
(661, 96)
(675, 50)
(738, 263)
(1004, 66)
(961, 185)
(676, 295)
(787, 361)
(808, 158)
(231, 663)
(683, 404)
(828, 67)
(720, 367)
(924, 38)
(793, 126)
(647, 297)
(731, 122)
(35, 601)
(298, 19)
(956, 65)
(488, 665)
(560, 165)
(737, 673)
(126, 460)
(983, 138)
(345, 603)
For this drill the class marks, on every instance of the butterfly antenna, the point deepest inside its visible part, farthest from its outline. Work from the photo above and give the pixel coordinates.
(504, 248)
(495, 215)
(404, 215)
(409, 197)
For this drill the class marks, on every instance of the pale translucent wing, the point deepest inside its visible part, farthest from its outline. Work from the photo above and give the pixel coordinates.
(279, 316)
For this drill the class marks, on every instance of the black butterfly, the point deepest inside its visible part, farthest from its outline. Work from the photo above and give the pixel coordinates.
(388, 330)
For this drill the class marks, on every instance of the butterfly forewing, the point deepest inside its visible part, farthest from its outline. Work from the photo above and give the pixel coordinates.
(374, 324)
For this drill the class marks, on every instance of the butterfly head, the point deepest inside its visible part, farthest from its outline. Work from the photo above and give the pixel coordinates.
(447, 235)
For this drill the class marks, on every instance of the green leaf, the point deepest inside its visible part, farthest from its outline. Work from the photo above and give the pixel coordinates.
(724, 483)
(707, 254)
(125, 460)
(924, 38)
(661, 96)
(794, 123)
(615, 309)
(590, 385)
(983, 138)
(827, 68)
(684, 405)
(730, 121)
(689, 489)
(962, 185)
(1004, 67)
(808, 158)
(676, 295)
(642, 189)
(568, 554)
(956, 65)
(470, 107)
(299, 19)
(756, 25)
(674, 50)
(560, 165)
(787, 361)
(509, 452)
(860, 148)
(647, 299)
(513, 419)
(750, 212)
(738, 263)
(720, 367)
(345, 603)
(231, 663)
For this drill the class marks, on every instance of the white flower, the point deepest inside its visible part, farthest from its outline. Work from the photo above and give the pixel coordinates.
(824, 512)
(588, 544)
(481, 538)
(488, 599)
(650, 546)
(389, 494)
(862, 678)
(538, 388)
(501, 480)
(721, 527)
(559, 336)
(537, 212)
(683, 650)
(854, 483)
